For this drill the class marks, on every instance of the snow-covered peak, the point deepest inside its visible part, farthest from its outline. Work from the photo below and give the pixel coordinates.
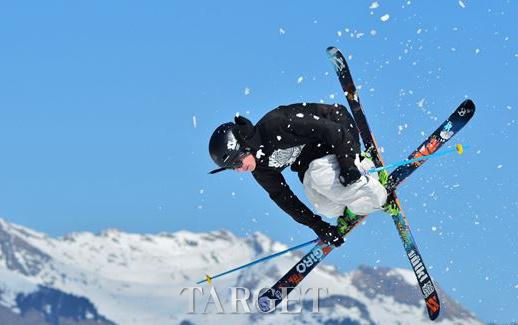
(17, 254)
(262, 243)
(17, 230)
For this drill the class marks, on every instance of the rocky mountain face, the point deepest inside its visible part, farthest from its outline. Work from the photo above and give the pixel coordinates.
(122, 278)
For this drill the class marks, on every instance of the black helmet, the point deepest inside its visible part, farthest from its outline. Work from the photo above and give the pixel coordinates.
(224, 148)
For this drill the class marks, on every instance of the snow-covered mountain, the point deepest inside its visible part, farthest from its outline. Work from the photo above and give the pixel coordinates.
(123, 278)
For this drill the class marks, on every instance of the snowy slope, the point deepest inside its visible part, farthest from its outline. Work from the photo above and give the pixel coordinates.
(137, 279)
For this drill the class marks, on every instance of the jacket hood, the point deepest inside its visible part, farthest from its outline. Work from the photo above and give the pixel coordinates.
(246, 133)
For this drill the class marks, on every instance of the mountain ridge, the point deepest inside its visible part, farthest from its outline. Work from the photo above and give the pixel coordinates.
(127, 278)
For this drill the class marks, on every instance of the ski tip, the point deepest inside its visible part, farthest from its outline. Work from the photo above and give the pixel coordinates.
(466, 109)
(331, 50)
(468, 103)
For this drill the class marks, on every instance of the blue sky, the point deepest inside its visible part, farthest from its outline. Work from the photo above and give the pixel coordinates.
(106, 109)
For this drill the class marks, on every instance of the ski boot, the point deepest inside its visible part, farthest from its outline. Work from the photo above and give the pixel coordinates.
(391, 208)
(346, 222)
(383, 178)
(383, 175)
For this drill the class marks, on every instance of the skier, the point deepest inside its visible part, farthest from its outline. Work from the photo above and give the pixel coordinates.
(321, 143)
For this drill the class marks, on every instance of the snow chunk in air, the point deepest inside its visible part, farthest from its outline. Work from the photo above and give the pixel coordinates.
(259, 154)
(385, 17)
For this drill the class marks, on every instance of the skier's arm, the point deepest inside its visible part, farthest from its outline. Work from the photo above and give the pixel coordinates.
(275, 184)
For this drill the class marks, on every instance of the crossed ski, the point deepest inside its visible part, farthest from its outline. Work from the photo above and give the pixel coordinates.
(272, 297)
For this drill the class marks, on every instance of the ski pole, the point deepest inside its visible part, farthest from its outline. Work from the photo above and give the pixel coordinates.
(209, 278)
(459, 148)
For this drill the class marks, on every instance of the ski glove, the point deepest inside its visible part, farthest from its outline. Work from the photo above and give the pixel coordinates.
(349, 175)
(327, 233)
(353, 173)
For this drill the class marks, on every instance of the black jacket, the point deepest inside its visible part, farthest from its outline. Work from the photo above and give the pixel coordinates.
(295, 135)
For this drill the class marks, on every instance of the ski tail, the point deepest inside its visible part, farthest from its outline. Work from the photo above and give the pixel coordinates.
(424, 279)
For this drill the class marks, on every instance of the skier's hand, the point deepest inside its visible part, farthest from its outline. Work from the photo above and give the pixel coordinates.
(349, 175)
(328, 234)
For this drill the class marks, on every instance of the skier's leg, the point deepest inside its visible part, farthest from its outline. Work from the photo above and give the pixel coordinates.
(322, 204)
(323, 188)
(320, 176)
(373, 195)
(362, 197)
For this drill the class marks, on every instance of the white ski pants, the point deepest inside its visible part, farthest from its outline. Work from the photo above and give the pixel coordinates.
(330, 197)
